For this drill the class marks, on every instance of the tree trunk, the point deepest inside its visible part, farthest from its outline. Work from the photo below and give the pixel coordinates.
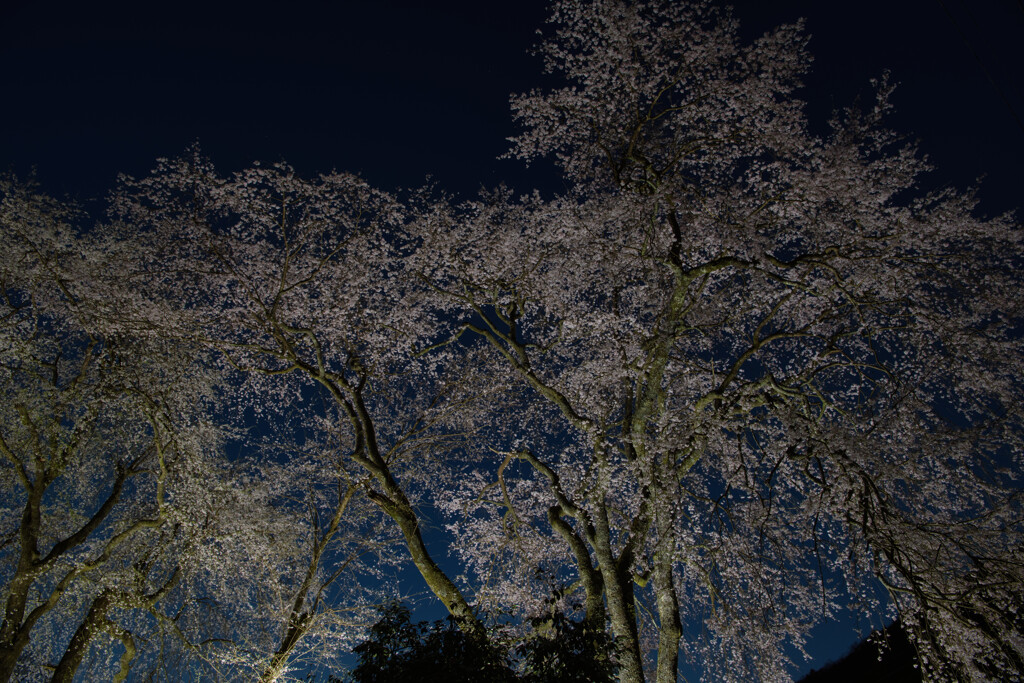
(396, 505)
(444, 588)
(618, 583)
(14, 636)
(296, 630)
(670, 629)
(9, 653)
(79, 646)
(623, 619)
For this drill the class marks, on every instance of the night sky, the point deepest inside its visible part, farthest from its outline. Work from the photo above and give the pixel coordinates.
(398, 90)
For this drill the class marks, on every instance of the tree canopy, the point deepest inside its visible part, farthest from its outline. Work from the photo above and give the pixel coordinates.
(737, 378)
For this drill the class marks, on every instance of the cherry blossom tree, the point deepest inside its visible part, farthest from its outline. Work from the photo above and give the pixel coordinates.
(131, 543)
(772, 380)
(739, 378)
(348, 550)
(300, 288)
(92, 441)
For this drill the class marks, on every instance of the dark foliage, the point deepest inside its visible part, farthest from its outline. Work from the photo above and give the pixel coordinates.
(884, 657)
(398, 650)
(558, 650)
(566, 651)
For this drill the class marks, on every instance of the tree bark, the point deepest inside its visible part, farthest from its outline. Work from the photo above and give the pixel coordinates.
(670, 628)
(14, 637)
(618, 582)
(398, 508)
(9, 653)
(79, 646)
(297, 628)
(393, 501)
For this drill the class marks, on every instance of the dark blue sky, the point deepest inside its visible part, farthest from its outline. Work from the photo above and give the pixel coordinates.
(397, 90)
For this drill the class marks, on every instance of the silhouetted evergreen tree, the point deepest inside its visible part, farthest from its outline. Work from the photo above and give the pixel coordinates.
(558, 650)
(398, 650)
